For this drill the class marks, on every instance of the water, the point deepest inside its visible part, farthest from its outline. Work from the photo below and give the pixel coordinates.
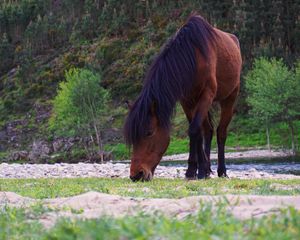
(283, 165)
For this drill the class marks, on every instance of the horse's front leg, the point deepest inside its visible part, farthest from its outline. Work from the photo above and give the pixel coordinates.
(197, 159)
(195, 146)
(208, 130)
(191, 172)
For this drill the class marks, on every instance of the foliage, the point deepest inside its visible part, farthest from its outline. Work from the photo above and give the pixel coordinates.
(6, 53)
(264, 27)
(80, 106)
(242, 135)
(41, 39)
(80, 100)
(273, 92)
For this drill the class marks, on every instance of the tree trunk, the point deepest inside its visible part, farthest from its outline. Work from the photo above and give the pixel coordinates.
(293, 136)
(268, 138)
(99, 142)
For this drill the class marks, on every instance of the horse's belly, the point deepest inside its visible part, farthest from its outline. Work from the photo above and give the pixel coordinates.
(228, 66)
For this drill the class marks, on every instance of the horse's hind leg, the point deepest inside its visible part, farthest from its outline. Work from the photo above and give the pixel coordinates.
(227, 107)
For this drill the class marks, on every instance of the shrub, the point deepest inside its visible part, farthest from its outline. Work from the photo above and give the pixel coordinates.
(80, 106)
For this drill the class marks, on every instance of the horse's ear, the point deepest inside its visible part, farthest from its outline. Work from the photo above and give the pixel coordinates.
(128, 104)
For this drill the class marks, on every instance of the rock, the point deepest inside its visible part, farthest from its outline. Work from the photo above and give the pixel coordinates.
(63, 144)
(146, 190)
(18, 155)
(96, 156)
(112, 135)
(57, 144)
(39, 152)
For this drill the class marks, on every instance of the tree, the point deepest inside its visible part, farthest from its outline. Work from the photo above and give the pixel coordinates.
(6, 54)
(274, 94)
(80, 106)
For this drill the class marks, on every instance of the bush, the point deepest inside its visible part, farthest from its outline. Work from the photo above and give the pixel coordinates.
(80, 106)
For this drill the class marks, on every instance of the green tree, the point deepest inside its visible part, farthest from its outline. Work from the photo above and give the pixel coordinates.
(80, 106)
(274, 94)
(6, 53)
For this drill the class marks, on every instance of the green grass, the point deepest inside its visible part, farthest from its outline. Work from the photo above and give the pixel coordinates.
(3, 155)
(279, 138)
(158, 188)
(207, 223)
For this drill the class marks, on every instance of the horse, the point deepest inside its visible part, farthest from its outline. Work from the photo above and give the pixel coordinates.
(198, 66)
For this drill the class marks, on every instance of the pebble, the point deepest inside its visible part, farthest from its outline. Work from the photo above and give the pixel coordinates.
(119, 170)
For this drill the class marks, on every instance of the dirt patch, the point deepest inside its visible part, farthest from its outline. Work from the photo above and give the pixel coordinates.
(95, 205)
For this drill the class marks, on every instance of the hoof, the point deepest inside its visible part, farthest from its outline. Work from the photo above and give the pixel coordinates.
(190, 175)
(222, 175)
(222, 172)
(203, 175)
(190, 179)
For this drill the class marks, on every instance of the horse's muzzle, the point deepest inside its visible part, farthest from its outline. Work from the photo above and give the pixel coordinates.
(142, 176)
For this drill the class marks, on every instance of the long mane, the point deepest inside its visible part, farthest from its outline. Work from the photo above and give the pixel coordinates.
(169, 78)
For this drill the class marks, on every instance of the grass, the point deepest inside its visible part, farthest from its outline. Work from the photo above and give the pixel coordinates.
(279, 138)
(3, 155)
(207, 223)
(158, 188)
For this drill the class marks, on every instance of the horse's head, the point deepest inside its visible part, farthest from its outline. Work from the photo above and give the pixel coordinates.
(148, 150)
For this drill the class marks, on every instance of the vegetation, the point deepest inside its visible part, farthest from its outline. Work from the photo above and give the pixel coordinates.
(23, 223)
(42, 40)
(158, 188)
(243, 134)
(274, 94)
(207, 223)
(80, 105)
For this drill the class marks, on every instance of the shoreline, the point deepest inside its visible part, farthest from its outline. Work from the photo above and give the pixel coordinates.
(261, 153)
(244, 154)
(120, 169)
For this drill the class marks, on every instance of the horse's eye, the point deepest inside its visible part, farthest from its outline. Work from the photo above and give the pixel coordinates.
(150, 133)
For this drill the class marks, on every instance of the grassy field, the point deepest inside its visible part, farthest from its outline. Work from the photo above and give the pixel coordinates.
(238, 137)
(208, 223)
(158, 188)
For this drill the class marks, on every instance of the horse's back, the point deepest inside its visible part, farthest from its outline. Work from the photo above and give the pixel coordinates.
(228, 63)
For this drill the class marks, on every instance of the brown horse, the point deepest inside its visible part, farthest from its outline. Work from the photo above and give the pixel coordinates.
(198, 65)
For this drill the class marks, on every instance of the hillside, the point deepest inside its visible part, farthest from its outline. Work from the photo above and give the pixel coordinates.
(41, 39)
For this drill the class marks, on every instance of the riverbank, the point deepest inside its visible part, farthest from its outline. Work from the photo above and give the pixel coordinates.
(119, 170)
(252, 153)
(281, 170)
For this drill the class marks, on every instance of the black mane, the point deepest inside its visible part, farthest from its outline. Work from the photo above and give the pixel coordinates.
(169, 78)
